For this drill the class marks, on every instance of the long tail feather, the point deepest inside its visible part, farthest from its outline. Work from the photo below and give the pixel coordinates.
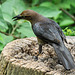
(64, 56)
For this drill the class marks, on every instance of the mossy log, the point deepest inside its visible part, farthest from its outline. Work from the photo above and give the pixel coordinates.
(17, 58)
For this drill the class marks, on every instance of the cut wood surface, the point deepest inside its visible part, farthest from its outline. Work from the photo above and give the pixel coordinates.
(17, 58)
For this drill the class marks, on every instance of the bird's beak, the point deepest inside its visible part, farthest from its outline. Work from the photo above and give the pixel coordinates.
(17, 17)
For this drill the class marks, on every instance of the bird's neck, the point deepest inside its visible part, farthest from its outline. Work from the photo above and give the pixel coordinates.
(39, 18)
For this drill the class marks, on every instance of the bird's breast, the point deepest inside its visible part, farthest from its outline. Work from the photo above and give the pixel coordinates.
(40, 41)
(36, 31)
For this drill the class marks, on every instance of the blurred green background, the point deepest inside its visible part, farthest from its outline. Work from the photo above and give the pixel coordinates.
(61, 11)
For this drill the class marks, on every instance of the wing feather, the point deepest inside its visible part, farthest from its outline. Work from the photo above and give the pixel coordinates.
(46, 32)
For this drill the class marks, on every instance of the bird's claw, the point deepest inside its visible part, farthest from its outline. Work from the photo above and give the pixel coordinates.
(59, 62)
(35, 58)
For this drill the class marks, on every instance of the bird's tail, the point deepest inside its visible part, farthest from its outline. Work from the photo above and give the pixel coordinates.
(64, 56)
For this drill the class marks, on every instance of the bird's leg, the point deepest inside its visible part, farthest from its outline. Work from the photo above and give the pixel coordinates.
(40, 50)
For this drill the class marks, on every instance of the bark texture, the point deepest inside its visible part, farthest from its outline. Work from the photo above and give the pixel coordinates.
(17, 58)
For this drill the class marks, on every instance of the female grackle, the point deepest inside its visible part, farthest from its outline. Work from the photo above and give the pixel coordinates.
(48, 32)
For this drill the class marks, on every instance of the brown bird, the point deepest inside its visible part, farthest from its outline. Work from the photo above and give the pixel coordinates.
(48, 32)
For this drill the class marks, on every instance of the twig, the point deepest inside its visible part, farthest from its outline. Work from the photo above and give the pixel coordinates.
(14, 29)
(9, 35)
(68, 13)
(4, 33)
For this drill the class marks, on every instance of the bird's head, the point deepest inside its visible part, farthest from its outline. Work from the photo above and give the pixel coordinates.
(27, 15)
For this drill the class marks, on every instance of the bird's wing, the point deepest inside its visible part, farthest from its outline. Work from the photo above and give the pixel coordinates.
(59, 30)
(61, 33)
(47, 32)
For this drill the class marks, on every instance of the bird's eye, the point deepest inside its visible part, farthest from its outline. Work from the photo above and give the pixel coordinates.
(23, 17)
(28, 17)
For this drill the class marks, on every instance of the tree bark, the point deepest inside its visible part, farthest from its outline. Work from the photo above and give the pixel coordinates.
(17, 58)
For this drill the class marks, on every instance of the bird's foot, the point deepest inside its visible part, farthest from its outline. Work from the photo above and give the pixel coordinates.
(35, 58)
(59, 62)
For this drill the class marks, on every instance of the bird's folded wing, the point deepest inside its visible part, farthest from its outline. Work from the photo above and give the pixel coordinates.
(61, 32)
(47, 32)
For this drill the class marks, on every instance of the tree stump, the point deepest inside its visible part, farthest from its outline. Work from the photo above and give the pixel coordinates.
(17, 58)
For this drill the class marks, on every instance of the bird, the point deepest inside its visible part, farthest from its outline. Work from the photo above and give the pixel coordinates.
(49, 32)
